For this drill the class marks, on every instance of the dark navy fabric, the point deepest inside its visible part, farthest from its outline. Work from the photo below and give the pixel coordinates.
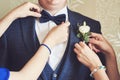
(57, 19)
(47, 73)
(19, 43)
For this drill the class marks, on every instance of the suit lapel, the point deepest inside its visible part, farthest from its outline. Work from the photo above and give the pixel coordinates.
(70, 60)
(29, 34)
(72, 29)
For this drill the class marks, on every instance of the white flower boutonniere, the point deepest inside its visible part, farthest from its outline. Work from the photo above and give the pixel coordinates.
(84, 32)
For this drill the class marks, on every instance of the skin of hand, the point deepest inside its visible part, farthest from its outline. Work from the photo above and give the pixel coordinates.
(99, 44)
(58, 30)
(86, 56)
(27, 9)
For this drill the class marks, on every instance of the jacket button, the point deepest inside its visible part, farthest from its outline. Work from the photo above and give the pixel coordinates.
(55, 75)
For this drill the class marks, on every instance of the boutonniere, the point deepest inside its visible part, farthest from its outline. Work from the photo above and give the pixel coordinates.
(83, 32)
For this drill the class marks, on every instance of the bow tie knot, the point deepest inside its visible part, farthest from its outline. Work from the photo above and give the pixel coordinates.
(57, 19)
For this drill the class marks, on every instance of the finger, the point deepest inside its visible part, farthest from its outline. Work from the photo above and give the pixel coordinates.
(90, 46)
(84, 47)
(67, 23)
(94, 41)
(81, 56)
(82, 60)
(66, 38)
(35, 7)
(77, 46)
(64, 26)
(39, 6)
(96, 35)
(35, 14)
(82, 44)
(77, 52)
(95, 49)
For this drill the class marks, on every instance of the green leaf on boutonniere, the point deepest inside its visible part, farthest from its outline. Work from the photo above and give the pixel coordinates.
(86, 37)
(79, 35)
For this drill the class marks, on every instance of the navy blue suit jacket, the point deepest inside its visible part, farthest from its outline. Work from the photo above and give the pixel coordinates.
(19, 43)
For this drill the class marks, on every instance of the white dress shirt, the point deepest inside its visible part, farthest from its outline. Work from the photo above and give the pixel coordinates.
(58, 51)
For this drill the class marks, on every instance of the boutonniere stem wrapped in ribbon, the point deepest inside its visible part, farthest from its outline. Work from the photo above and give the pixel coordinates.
(84, 32)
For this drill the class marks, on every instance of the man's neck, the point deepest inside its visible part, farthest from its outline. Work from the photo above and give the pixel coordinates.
(54, 11)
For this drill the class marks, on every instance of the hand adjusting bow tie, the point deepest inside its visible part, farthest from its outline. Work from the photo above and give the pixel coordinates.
(57, 19)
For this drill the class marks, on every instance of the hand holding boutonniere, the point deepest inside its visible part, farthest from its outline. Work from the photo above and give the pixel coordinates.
(84, 32)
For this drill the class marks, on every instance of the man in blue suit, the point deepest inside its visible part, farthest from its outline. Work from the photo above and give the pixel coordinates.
(24, 36)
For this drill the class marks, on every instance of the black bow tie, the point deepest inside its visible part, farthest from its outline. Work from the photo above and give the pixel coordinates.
(57, 19)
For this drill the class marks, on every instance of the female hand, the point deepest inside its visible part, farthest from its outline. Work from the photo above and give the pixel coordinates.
(86, 56)
(57, 35)
(26, 9)
(100, 44)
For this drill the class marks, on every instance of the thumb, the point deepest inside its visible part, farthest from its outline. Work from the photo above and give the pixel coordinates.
(67, 23)
(34, 14)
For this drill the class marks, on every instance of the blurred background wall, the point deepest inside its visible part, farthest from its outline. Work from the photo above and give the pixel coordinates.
(106, 11)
